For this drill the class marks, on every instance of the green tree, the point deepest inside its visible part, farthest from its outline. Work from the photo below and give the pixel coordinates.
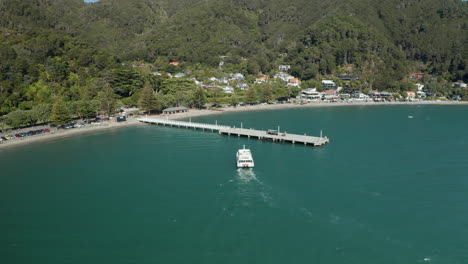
(86, 109)
(60, 114)
(168, 100)
(234, 99)
(3, 125)
(199, 98)
(108, 100)
(266, 93)
(148, 100)
(41, 112)
(251, 95)
(17, 118)
(216, 96)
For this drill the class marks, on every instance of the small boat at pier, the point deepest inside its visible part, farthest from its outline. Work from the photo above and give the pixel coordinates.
(244, 158)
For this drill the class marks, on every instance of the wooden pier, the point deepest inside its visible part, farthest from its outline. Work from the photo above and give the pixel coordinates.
(240, 132)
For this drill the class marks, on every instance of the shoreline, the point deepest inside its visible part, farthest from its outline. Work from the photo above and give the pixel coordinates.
(63, 133)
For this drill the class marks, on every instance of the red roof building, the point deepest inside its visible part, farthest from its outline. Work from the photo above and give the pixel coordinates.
(417, 76)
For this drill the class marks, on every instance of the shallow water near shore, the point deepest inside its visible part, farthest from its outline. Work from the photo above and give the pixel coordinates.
(387, 189)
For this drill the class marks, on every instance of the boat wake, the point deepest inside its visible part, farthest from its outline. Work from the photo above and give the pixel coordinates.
(246, 175)
(250, 187)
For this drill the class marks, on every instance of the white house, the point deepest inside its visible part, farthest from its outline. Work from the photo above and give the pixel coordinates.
(420, 86)
(328, 84)
(238, 76)
(223, 80)
(228, 89)
(243, 86)
(284, 67)
(283, 76)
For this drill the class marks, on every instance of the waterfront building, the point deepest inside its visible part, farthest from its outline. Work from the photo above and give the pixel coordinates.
(310, 94)
(175, 110)
(410, 95)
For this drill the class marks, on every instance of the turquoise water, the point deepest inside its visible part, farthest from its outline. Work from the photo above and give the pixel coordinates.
(387, 189)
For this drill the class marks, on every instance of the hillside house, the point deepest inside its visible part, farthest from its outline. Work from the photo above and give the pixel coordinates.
(346, 77)
(262, 79)
(243, 86)
(328, 85)
(238, 77)
(417, 76)
(283, 76)
(294, 82)
(283, 68)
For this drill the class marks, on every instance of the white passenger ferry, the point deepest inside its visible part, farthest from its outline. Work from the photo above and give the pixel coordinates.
(244, 158)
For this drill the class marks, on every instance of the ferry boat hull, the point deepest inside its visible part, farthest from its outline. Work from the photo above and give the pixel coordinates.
(244, 158)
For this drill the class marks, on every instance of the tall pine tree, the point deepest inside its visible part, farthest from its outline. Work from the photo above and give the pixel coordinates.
(60, 114)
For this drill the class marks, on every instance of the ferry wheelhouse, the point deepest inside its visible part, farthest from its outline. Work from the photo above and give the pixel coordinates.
(244, 158)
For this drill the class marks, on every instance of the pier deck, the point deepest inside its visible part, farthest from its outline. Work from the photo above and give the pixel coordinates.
(240, 132)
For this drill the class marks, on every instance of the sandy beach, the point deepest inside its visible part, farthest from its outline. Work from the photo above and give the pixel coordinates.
(61, 133)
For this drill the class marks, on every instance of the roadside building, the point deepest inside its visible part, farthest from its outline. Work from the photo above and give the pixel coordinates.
(117, 119)
(175, 110)
(361, 97)
(310, 94)
(410, 95)
(421, 94)
(330, 95)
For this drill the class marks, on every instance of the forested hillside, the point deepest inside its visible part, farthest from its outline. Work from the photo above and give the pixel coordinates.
(70, 49)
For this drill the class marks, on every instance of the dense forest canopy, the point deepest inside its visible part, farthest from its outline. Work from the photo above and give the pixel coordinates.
(72, 49)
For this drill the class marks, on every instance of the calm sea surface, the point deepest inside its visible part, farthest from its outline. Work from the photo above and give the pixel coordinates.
(387, 189)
